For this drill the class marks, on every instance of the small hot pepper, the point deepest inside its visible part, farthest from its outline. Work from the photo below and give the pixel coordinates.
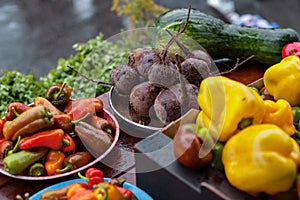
(15, 107)
(27, 123)
(41, 101)
(65, 122)
(127, 194)
(76, 187)
(56, 194)
(59, 94)
(70, 147)
(54, 161)
(93, 176)
(83, 195)
(102, 124)
(5, 146)
(37, 169)
(17, 162)
(107, 191)
(2, 122)
(75, 161)
(52, 139)
(279, 113)
(79, 108)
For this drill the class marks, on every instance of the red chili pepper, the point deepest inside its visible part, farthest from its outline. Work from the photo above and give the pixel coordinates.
(292, 48)
(79, 108)
(128, 194)
(68, 147)
(2, 122)
(52, 139)
(14, 109)
(93, 176)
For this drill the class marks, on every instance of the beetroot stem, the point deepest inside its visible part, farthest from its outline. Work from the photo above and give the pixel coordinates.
(89, 79)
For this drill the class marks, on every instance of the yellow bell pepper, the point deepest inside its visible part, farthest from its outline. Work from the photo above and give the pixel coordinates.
(282, 80)
(261, 158)
(279, 113)
(228, 106)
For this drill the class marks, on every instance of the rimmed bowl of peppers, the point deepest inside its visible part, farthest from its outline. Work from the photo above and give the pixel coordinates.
(55, 136)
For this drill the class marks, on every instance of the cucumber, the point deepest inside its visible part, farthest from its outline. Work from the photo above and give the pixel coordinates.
(221, 40)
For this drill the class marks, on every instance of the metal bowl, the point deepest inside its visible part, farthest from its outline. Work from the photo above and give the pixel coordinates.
(106, 115)
(120, 107)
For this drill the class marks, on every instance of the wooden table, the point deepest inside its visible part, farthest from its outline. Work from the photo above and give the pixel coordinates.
(121, 160)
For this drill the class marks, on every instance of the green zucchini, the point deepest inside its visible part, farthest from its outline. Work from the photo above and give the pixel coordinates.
(221, 40)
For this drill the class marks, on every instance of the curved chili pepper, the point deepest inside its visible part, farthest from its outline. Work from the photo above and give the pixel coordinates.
(128, 194)
(5, 146)
(93, 176)
(37, 169)
(102, 124)
(29, 122)
(41, 101)
(15, 107)
(70, 147)
(76, 187)
(78, 108)
(60, 193)
(17, 162)
(83, 194)
(65, 122)
(52, 139)
(59, 94)
(2, 122)
(75, 161)
(54, 161)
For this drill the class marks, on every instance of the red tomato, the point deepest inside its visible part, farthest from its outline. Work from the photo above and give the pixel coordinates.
(291, 49)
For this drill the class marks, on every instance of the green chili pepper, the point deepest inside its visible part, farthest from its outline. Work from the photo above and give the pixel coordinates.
(28, 122)
(217, 159)
(16, 163)
(37, 169)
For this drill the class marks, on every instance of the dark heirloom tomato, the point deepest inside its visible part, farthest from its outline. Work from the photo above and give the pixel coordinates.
(189, 147)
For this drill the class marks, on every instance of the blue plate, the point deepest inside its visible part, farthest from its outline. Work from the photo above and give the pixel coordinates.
(140, 194)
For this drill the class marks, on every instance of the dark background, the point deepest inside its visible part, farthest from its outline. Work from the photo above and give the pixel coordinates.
(34, 34)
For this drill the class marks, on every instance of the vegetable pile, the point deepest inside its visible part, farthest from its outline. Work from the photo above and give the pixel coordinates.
(252, 135)
(95, 188)
(41, 139)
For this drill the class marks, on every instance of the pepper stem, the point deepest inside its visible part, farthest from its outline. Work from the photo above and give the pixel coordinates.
(68, 167)
(60, 91)
(14, 111)
(83, 177)
(16, 147)
(245, 123)
(78, 120)
(67, 142)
